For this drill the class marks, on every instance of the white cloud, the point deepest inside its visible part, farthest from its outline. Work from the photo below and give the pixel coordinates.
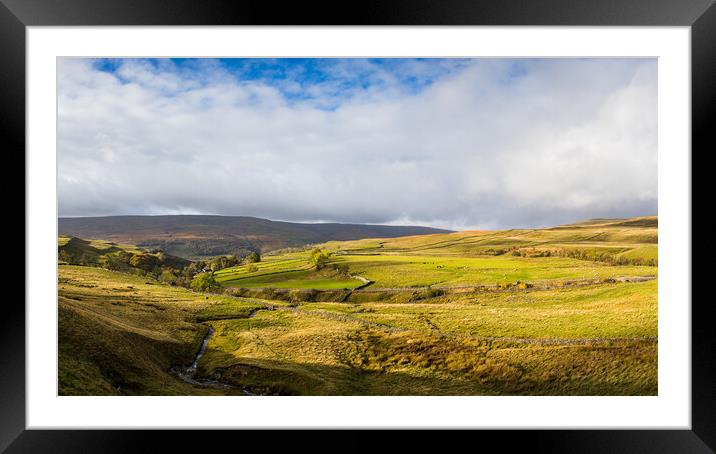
(483, 146)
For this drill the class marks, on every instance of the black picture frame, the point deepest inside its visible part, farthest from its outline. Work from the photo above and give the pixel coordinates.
(16, 15)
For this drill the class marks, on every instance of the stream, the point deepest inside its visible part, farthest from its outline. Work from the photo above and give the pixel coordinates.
(202, 350)
(187, 374)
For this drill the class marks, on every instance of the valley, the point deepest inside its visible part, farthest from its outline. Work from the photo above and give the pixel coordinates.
(568, 310)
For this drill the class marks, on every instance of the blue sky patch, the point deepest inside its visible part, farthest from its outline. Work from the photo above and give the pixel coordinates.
(330, 81)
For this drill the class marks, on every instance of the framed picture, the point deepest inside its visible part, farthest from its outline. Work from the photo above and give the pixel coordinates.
(441, 216)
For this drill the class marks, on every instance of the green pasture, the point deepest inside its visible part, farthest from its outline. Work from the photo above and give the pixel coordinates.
(290, 279)
(393, 270)
(620, 310)
(414, 271)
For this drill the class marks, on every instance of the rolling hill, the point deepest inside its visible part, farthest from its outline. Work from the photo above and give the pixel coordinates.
(596, 249)
(567, 310)
(194, 236)
(118, 257)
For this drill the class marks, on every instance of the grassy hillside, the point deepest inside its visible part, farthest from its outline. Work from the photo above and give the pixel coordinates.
(444, 315)
(602, 238)
(596, 340)
(593, 250)
(121, 335)
(118, 257)
(205, 236)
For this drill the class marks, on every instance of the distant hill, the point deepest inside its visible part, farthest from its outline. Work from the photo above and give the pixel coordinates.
(624, 241)
(193, 236)
(642, 221)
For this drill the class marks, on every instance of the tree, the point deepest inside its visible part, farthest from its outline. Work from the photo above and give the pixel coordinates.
(319, 258)
(204, 282)
(254, 257)
(219, 263)
(168, 276)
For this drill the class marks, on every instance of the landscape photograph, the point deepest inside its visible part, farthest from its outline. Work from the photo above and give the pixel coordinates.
(357, 226)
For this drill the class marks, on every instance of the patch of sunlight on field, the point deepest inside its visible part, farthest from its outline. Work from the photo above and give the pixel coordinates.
(625, 310)
(643, 252)
(434, 347)
(409, 271)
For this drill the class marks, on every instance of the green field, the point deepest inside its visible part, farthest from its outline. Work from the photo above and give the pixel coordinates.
(418, 271)
(446, 314)
(466, 258)
(287, 278)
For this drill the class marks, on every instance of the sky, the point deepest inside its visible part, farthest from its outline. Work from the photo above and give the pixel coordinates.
(452, 143)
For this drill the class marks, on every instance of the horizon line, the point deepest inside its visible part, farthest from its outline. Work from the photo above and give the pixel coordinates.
(351, 223)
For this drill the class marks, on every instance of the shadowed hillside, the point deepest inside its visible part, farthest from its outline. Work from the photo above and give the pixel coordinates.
(204, 236)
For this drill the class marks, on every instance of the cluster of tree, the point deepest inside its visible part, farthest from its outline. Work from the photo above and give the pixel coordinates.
(156, 264)
(199, 275)
(181, 277)
(219, 263)
(203, 281)
(606, 257)
(85, 259)
(224, 261)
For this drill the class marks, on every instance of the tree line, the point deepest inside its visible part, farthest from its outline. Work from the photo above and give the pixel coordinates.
(197, 275)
